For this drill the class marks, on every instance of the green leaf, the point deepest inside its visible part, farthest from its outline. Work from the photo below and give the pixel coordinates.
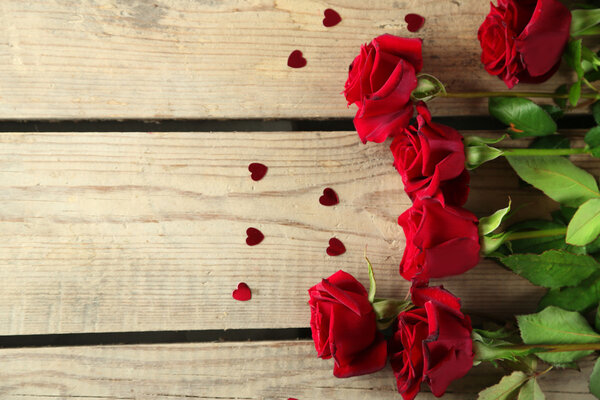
(554, 325)
(575, 93)
(584, 20)
(579, 298)
(428, 87)
(585, 225)
(472, 140)
(597, 319)
(553, 268)
(506, 389)
(522, 115)
(551, 142)
(589, 60)
(539, 244)
(558, 177)
(563, 215)
(386, 311)
(531, 391)
(592, 137)
(572, 55)
(491, 223)
(554, 111)
(372, 285)
(596, 112)
(595, 380)
(495, 349)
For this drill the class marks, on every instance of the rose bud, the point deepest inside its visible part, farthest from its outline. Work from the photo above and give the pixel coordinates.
(431, 161)
(432, 343)
(523, 40)
(343, 326)
(441, 240)
(380, 81)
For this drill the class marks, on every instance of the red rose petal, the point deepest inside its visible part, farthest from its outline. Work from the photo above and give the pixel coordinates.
(414, 21)
(242, 293)
(254, 236)
(258, 171)
(336, 247)
(329, 197)
(332, 18)
(295, 60)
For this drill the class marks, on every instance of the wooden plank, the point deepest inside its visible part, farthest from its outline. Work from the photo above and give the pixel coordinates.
(219, 59)
(273, 370)
(104, 232)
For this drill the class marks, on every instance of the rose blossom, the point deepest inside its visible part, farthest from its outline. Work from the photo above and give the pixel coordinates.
(523, 40)
(343, 326)
(431, 160)
(432, 343)
(441, 240)
(380, 81)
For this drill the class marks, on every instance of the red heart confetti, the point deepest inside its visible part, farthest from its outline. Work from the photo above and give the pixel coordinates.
(329, 198)
(332, 18)
(295, 60)
(336, 247)
(254, 236)
(258, 171)
(242, 293)
(414, 21)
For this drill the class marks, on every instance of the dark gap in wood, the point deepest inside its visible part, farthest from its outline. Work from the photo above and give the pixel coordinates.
(156, 337)
(250, 125)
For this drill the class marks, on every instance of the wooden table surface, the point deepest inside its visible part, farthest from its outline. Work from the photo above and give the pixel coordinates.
(138, 234)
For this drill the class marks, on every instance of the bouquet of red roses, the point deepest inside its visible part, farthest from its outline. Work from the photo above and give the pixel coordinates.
(429, 338)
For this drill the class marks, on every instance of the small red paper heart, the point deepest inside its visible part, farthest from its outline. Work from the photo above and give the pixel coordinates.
(254, 236)
(336, 247)
(258, 171)
(414, 21)
(332, 18)
(242, 293)
(295, 60)
(329, 198)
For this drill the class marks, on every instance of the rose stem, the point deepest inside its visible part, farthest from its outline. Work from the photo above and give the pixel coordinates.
(536, 234)
(545, 152)
(550, 95)
(556, 348)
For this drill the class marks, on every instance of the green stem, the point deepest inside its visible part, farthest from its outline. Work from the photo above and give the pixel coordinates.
(555, 348)
(545, 152)
(549, 95)
(536, 234)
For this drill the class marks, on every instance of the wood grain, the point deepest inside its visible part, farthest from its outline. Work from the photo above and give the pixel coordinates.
(219, 59)
(110, 232)
(270, 370)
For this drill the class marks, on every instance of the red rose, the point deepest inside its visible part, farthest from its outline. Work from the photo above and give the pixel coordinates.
(431, 161)
(380, 82)
(432, 343)
(523, 40)
(440, 240)
(343, 326)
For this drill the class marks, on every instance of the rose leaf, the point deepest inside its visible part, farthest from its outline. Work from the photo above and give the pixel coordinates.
(592, 137)
(575, 93)
(585, 225)
(579, 298)
(553, 268)
(584, 20)
(595, 380)
(506, 388)
(531, 391)
(558, 177)
(557, 326)
(572, 55)
(523, 116)
(596, 112)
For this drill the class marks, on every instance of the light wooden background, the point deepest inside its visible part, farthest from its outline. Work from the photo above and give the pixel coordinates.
(144, 231)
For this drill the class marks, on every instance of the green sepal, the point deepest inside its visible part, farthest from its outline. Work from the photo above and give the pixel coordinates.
(490, 223)
(584, 21)
(428, 87)
(387, 310)
(372, 285)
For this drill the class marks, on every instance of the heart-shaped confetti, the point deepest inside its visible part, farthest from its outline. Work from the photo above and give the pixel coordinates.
(254, 236)
(332, 18)
(336, 247)
(414, 21)
(296, 60)
(329, 197)
(242, 293)
(257, 171)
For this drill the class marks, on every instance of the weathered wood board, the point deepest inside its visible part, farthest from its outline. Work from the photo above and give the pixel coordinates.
(112, 232)
(219, 59)
(260, 370)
